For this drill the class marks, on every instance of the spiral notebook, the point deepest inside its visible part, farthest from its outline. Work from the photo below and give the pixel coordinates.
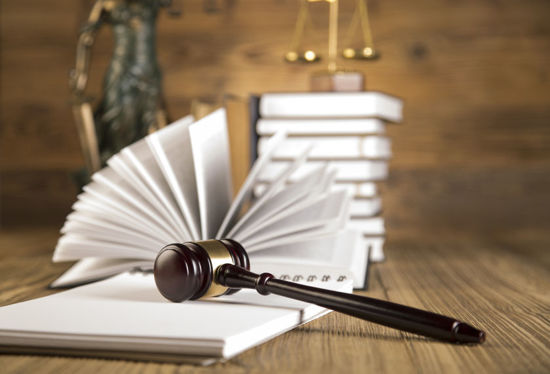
(126, 317)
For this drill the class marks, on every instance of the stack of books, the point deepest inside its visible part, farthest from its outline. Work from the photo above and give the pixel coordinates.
(344, 130)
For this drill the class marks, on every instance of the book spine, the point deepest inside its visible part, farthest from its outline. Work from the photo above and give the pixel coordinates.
(330, 148)
(368, 226)
(346, 171)
(358, 189)
(254, 115)
(321, 126)
(376, 248)
(366, 207)
(331, 105)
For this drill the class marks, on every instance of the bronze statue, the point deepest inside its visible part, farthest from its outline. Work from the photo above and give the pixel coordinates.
(132, 104)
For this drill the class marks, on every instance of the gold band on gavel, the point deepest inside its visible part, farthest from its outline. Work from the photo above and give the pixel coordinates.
(219, 255)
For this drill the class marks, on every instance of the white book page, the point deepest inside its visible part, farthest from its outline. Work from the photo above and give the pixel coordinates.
(336, 249)
(291, 236)
(281, 200)
(121, 165)
(328, 148)
(71, 247)
(92, 206)
(366, 207)
(346, 171)
(331, 104)
(291, 168)
(100, 229)
(95, 201)
(102, 197)
(272, 189)
(171, 147)
(210, 147)
(127, 195)
(138, 165)
(357, 189)
(328, 229)
(376, 246)
(360, 263)
(92, 269)
(312, 212)
(245, 192)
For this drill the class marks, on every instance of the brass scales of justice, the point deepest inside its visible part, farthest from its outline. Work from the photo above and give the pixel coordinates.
(334, 78)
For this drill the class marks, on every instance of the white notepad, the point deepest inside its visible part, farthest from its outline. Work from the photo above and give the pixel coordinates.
(127, 315)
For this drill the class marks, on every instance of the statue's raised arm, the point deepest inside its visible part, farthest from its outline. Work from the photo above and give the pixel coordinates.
(79, 75)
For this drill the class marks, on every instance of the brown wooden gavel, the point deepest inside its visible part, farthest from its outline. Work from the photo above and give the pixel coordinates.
(209, 268)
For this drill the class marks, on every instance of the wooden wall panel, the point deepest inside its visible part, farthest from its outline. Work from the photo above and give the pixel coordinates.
(471, 155)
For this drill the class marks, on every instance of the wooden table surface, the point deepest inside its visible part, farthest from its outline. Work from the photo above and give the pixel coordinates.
(501, 285)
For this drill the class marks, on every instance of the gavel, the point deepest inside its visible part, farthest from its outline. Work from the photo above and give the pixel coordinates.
(210, 268)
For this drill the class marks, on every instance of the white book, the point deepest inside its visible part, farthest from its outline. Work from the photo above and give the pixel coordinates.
(370, 226)
(126, 317)
(331, 148)
(321, 126)
(358, 189)
(365, 207)
(331, 104)
(375, 245)
(346, 171)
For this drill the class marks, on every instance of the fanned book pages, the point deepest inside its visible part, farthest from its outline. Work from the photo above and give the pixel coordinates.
(175, 186)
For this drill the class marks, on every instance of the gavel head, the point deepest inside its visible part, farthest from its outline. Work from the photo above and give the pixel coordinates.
(187, 271)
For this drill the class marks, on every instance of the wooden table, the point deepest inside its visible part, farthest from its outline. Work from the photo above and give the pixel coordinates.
(501, 285)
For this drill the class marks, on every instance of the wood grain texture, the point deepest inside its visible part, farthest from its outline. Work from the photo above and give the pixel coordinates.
(466, 203)
(474, 76)
(500, 286)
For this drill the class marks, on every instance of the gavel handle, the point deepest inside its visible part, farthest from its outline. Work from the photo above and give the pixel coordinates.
(374, 310)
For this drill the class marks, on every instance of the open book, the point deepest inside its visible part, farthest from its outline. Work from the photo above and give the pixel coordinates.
(175, 186)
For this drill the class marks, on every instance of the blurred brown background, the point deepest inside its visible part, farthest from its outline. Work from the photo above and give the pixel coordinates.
(473, 155)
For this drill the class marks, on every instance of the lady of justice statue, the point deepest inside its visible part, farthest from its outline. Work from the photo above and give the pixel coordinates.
(132, 104)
